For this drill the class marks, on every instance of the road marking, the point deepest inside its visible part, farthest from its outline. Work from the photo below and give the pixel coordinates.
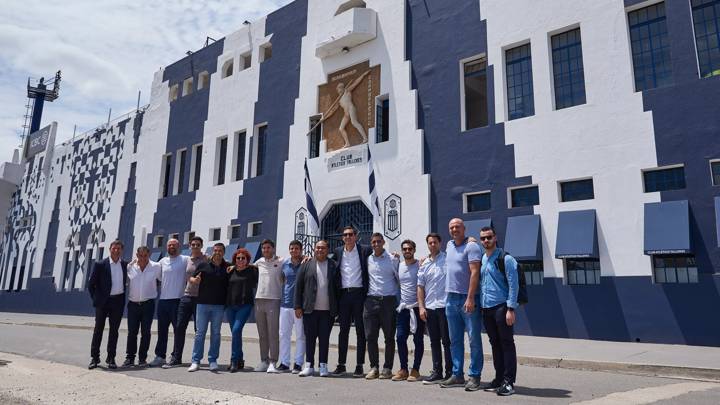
(651, 394)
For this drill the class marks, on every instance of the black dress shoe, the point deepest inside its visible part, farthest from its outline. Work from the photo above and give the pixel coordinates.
(94, 363)
(128, 363)
(339, 370)
(233, 367)
(111, 364)
(142, 363)
(359, 372)
(433, 378)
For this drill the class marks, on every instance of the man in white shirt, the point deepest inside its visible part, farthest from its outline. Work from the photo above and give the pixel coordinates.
(143, 277)
(171, 290)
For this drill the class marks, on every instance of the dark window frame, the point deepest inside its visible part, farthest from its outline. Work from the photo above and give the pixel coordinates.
(650, 47)
(534, 271)
(182, 156)
(515, 190)
(261, 150)
(222, 160)
(519, 82)
(314, 137)
(708, 58)
(469, 205)
(568, 81)
(197, 150)
(582, 271)
(382, 121)
(471, 73)
(573, 193)
(664, 179)
(715, 172)
(241, 141)
(675, 269)
(166, 175)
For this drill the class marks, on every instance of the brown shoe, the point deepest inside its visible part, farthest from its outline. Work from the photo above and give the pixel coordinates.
(414, 375)
(373, 374)
(401, 375)
(385, 374)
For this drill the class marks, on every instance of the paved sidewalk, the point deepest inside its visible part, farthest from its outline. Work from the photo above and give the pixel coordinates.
(696, 362)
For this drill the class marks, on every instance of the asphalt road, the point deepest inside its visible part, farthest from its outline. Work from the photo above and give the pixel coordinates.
(535, 385)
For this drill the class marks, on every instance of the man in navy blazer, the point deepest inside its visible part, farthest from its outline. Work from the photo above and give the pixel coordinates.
(107, 290)
(351, 259)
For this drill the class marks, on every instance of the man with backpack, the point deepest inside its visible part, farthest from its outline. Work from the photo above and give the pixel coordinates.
(500, 284)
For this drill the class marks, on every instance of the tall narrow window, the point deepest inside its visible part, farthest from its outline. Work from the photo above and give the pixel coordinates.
(203, 80)
(167, 166)
(197, 165)
(266, 52)
(173, 95)
(181, 171)
(518, 73)
(382, 121)
(314, 137)
(476, 99)
(715, 171)
(706, 20)
(187, 86)
(240, 138)
(568, 72)
(246, 61)
(221, 160)
(650, 47)
(261, 146)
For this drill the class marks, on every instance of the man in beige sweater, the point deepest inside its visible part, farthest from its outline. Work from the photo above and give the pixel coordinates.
(267, 306)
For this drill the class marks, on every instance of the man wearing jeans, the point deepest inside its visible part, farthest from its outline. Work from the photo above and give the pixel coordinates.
(171, 290)
(213, 280)
(462, 261)
(499, 300)
(186, 307)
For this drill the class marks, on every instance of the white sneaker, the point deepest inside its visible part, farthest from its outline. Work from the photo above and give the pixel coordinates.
(194, 367)
(213, 366)
(324, 370)
(157, 362)
(307, 371)
(262, 367)
(271, 369)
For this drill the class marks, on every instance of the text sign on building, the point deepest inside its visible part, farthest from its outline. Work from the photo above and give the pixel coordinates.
(347, 158)
(37, 142)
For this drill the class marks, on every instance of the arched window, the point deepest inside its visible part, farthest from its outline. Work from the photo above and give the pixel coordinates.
(227, 69)
(350, 5)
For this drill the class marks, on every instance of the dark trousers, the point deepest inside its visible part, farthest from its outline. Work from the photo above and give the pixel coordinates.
(439, 340)
(166, 315)
(502, 342)
(380, 313)
(403, 332)
(185, 311)
(317, 325)
(139, 318)
(113, 309)
(351, 308)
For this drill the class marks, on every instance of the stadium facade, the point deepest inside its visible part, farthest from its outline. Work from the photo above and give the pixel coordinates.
(585, 132)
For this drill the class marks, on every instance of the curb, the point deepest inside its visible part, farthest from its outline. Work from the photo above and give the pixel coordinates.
(647, 370)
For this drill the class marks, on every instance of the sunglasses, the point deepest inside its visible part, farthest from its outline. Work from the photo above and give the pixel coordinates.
(240, 258)
(407, 249)
(348, 235)
(486, 237)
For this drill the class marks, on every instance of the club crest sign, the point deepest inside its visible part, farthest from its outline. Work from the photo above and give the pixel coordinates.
(392, 216)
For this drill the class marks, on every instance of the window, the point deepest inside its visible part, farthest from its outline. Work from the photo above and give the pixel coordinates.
(175, 236)
(382, 121)
(524, 197)
(195, 165)
(214, 234)
(227, 69)
(234, 231)
(476, 98)
(203, 80)
(221, 159)
(650, 47)
(675, 269)
(477, 202)
(173, 93)
(314, 137)
(664, 179)
(187, 86)
(265, 52)
(180, 172)
(518, 73)
(261, 146)
(158, 241)
(246, 60)
(188, 235)
(534, 272)
(577, 190)
(239, 158)
(254, 229)
(706, 20)
(583, 271)
(568, 75)
(715, 170)
(166, 167)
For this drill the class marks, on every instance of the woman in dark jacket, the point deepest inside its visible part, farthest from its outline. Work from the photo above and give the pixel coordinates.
(242, 281)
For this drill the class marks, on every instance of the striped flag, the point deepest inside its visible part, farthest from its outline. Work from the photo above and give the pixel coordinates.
(313, 221)
(374, 201)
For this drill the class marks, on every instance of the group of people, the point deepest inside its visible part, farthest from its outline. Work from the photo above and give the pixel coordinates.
(447, 293)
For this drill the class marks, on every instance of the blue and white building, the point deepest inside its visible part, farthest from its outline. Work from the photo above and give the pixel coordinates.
(585, 132)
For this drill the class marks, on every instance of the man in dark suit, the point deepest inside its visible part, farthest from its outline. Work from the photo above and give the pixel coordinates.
(352, 265)
(316, 302)
(107, 290)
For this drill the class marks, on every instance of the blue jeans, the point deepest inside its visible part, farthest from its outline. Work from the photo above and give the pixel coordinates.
(458, 321)
(166, 315)
(236, 316)
(212, 314)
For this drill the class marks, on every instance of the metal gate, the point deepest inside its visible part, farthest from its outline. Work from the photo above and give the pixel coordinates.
(353, 213)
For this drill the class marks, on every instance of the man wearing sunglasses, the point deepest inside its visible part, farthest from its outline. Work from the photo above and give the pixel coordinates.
(499, 292)
(408, 318)
(352, 263)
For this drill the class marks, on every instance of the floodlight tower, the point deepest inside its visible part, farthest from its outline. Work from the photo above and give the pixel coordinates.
(39, 93)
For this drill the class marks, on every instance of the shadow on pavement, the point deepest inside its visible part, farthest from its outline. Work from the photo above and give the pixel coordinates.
(542, 392)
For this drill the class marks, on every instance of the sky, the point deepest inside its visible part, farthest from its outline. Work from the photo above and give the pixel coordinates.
(107, 51)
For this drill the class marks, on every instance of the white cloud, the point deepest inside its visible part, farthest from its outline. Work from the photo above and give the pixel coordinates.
(107, 51)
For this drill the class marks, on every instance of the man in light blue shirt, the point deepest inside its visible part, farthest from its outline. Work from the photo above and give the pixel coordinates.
(499, 300)
(380, 304)
(431, 297)
(462, 280)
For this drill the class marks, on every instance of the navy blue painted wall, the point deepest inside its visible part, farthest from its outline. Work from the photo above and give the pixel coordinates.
(186, 126)
(127, 216)
(278, 88)
(51, 243)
